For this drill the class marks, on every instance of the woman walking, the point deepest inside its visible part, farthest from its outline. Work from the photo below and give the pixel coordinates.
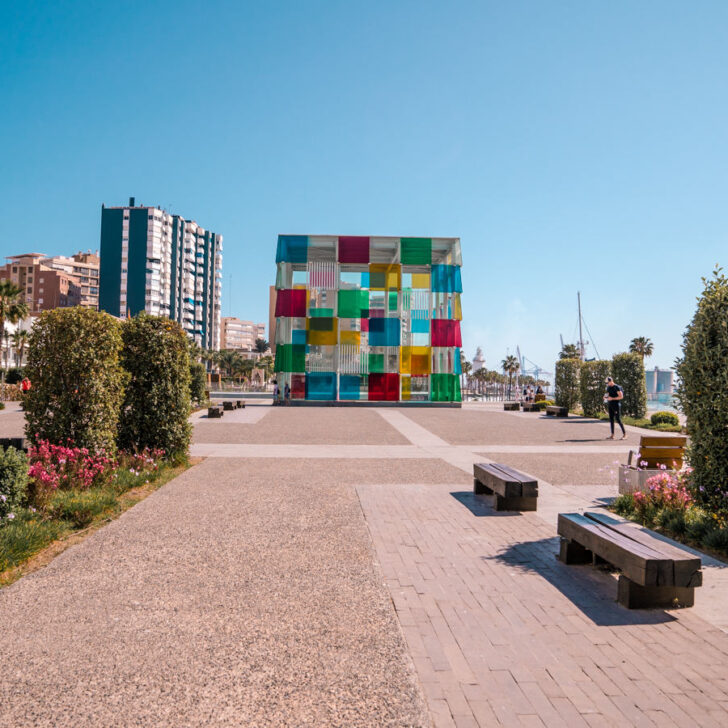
(613, 398)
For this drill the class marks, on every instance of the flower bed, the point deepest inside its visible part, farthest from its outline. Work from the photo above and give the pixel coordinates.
(671, 506)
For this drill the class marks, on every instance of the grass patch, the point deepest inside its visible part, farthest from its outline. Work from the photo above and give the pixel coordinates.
(34, 538)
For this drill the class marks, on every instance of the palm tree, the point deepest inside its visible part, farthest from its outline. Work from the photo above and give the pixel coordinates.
(12, 308)
(228, 359)
(20, 341)
(510, 366)
(261, 346)
(466, 367)
(642, 346)
(570, 351)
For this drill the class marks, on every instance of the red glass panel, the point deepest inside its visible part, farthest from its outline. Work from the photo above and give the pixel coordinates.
(353, 249)
(445, 332)
(291, 302)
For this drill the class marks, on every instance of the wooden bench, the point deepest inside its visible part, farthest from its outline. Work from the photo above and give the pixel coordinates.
(513, 491)
(228, 405)
(239, 404)
(553, 410)
(511, 406)
(657, 450)
(531, 407)
(214, 410)
(654, 573)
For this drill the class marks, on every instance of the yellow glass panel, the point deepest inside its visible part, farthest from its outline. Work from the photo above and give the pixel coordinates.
(350, 337)
(406, 388)
(385, 277)
(321, 338)
(414, 360)
(420, 280)
(457, 310)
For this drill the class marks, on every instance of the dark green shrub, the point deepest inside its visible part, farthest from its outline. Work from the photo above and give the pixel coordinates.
(78, 383)
(664, 418)
(628, 372)
(698, 524)
(717, 539)
(157, 401)
(13, 480)
(592, 381)
(702, 392)
(198, 382)
(2, 405)
(14, 375)
(567, 382)
(674, 522)
(80, 508)
(624, 505)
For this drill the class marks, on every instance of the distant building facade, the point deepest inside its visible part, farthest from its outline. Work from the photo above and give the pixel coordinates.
(238, 334)
(659, 381)
(272, 318)
(85, 268)
(163, 264)
(44, 287)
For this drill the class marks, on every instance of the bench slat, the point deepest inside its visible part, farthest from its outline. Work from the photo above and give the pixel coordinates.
(640, 563)
(686, 566)
(529, 486)
(492, 477)
(663, 441)
(661, 452)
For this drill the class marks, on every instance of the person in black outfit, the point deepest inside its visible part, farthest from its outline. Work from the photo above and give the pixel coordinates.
(613, 398)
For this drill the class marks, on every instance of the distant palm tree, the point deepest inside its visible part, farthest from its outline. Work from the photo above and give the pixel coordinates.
(229, 359)
(466, 367)
(570, 351)
(510, 366)
(12, 308)
(261, 346)
(20, 341)
(642, 346)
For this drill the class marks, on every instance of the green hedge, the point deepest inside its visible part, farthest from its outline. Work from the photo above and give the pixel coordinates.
(592, 380)
(198, 382)
(78, 382)
(628, 372)
(13, 480)
(567, 382)
(702, 391)
(664, 418)
(157, 402)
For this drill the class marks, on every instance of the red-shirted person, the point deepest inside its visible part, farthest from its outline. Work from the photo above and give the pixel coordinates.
(25, 385)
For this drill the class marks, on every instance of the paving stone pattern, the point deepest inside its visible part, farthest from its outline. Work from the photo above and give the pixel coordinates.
(332, 567)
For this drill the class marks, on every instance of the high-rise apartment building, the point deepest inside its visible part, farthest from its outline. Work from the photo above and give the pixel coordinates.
(44, 287)
(238, 334)
(368, 318)
(163, 264)
(85, 268)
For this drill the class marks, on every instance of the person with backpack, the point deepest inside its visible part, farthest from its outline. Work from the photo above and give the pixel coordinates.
(613, 398)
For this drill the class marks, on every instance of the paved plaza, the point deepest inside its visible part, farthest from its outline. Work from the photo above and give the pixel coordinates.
(331, 566)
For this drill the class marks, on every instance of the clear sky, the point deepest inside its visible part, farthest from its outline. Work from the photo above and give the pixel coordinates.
(572, 146)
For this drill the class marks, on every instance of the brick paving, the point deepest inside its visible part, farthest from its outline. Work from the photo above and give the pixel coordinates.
(356, 580)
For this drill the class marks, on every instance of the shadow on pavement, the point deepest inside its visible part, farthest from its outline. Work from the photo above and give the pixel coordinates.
(480, 505)
(591, 590)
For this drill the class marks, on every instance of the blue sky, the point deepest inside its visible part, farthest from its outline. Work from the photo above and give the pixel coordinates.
(571, 145)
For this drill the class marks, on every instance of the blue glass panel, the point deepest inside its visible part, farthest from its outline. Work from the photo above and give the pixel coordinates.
(298, 336)
(446, 279)
(292, 249)
(321, 385)
(457, 364)
(384, 331)
(420, 326)
(349, 386)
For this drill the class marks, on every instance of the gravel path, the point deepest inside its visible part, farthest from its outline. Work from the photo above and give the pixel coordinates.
(236, 595)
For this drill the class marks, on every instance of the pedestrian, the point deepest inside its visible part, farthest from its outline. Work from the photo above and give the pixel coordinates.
(613, 397)
(287, 394)
(25, 385)
(276, 392)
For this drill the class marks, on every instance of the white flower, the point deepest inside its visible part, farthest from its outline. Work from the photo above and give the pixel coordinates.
(11, 516)
(3, 498)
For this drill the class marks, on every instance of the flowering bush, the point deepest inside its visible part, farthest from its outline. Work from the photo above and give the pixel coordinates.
(667, 492)
(63, 467)
(146, 461)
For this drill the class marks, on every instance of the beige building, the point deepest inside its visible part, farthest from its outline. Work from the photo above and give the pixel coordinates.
(85, 267)
(272, 297)
(238, 334)
(44, 287)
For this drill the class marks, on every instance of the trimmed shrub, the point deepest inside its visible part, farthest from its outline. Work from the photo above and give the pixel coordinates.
(2, 405)
(717, 539)
(592, 378)
(14, 375)
(628, 372)
(567, 382)
(702, 392)
(13, 480)
(198, 382)
(78, 383)
(157, 402)
(544, 403)
(664, 418)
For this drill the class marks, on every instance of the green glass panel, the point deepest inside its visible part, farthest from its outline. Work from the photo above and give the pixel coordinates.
(416, 251)
(321, 312)
(321, 323)
(352, 303)
(290, 358)
(445, 387)
(376, 363)
(393, 300)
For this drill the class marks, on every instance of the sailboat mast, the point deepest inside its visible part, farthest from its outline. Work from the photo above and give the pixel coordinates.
(581, 337)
